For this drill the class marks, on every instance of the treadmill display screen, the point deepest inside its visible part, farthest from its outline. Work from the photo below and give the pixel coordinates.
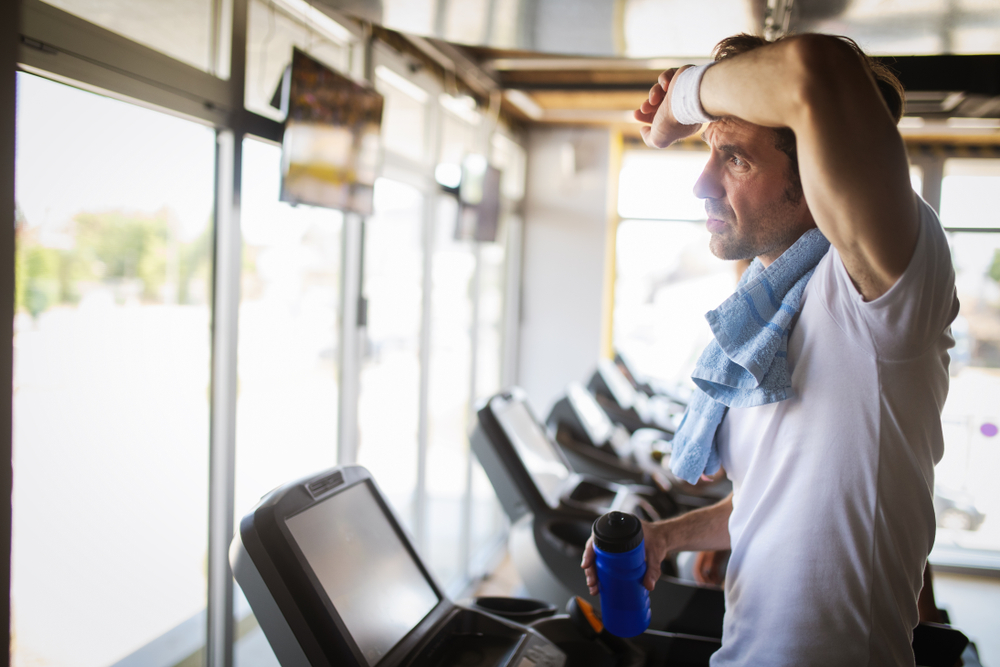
(593, 418)
(621, 388)
(534, 448)
(364, 568)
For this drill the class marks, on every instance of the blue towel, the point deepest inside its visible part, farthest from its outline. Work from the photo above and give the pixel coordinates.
(746, 365)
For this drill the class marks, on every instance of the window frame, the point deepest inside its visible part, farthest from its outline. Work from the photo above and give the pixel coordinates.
(52, 43)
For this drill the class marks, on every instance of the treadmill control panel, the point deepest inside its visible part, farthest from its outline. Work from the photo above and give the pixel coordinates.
(546, 466)
(334, 581)
(367, 573)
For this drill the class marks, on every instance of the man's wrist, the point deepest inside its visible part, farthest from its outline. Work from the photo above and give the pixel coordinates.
(685, 97)
(663, 534)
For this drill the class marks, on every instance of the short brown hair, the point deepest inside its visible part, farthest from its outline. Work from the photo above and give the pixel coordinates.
(888, 85)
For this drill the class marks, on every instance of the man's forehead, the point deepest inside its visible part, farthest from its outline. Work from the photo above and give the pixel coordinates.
(725, 130)
(737, 133)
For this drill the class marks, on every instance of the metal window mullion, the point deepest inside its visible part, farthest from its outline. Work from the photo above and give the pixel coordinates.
(465, 535)
(227, 267)
(350, 338)
(222, 450)
(511, 301)
(9, 20)
(432, 137)
(66, 44)
(426, 330)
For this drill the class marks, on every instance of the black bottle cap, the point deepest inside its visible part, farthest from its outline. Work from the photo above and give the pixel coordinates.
(617, 532)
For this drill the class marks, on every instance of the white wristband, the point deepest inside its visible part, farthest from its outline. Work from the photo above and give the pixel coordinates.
(685, 100)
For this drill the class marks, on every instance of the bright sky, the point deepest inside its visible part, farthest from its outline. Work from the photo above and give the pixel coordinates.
(77, 151)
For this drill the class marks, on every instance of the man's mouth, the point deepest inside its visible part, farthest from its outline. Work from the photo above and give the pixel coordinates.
(717, 215)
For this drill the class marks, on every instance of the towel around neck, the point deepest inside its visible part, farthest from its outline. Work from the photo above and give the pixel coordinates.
(745, 365)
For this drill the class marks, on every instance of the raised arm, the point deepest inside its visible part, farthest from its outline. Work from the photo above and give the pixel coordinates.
(852, 161)
(701, 530)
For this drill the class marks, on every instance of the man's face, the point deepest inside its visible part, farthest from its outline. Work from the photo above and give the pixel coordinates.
(754, 208)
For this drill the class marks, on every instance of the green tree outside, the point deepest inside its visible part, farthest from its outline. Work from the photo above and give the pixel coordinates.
(113, 248)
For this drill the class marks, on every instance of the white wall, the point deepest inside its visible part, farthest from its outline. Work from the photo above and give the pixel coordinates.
(565, 218)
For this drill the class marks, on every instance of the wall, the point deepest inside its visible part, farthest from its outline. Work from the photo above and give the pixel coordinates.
(563, 260)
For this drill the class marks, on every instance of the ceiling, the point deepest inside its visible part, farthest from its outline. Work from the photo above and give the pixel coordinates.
(593, 61)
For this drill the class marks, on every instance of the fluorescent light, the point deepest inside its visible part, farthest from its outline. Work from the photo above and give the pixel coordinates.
(975, 123)
(317, 20)
(464, 107)
(523, 102)
(401, 84)
(910, 123)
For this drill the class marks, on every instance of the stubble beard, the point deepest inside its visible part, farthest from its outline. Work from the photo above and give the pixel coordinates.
(765, 233)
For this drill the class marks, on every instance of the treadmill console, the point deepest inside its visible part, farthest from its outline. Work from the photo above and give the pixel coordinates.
(543, 461)
(594, 420)
(333, 579)
(618, 386)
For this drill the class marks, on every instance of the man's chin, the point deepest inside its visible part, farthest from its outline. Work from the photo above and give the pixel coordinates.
(728, 251)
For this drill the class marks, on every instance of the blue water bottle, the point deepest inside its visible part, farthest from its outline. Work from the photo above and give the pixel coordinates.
(621, 566)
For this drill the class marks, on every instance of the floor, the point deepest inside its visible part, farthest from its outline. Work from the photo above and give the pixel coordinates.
(503, 581)
(973, 603)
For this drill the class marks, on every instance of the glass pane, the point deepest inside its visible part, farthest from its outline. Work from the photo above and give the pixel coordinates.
(491, 298)
(970, 193)
(388, 402)
(448, 398)
(288, 333)
(458, 131)
(667, 279)
(509, 158)
(273, 28)
(487, 517)
(967, 499)
(404, 114)
(111, 383)
(181, 29)
(467, 21)
(660, 185)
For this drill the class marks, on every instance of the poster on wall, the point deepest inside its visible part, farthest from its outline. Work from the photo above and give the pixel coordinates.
(330, 149)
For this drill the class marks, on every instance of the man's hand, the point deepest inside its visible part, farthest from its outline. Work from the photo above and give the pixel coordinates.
(589, 565)
(708, 567)
(656, 552)
(698, 530)
(664, 128)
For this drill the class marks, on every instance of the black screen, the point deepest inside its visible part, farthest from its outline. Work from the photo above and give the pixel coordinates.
(364, 568)
(533, 447)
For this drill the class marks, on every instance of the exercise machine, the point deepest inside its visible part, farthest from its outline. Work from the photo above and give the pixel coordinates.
(552, 509)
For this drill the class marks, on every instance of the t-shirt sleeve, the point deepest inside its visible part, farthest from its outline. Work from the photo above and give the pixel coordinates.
(919, 308)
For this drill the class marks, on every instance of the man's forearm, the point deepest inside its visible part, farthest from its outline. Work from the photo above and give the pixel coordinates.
(701, 530)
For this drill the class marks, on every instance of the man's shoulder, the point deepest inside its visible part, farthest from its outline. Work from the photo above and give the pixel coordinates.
(913, 313)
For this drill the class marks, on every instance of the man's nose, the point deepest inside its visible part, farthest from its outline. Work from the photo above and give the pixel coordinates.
(709, 185)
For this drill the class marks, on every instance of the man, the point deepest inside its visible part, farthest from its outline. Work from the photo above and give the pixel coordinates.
(831, 518)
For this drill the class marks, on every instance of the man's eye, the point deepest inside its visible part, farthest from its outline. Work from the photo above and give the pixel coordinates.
(738, 162)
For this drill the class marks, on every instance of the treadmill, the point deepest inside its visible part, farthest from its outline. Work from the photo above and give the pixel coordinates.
(628, 406)
(649, 386)
(631, 408)
(597, 446)
(552, 508)
(334, 580)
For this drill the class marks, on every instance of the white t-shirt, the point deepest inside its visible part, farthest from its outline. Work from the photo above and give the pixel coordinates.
(832, 509)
